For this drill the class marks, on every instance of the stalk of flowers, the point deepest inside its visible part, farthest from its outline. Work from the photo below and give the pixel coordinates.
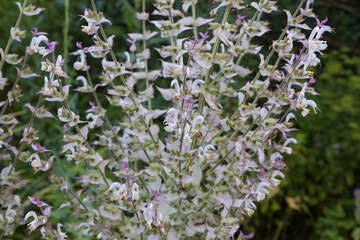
(108, 66)
(13, 59)
(10, 181)
(66, 115)
(84, 152)
(16, 33)
(48, 89)
(109, 71)
(97, 112)
(257, 77)
(30, 134)
(59, 181)
(9, 120)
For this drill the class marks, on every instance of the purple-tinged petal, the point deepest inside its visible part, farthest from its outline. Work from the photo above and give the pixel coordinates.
(47, 212)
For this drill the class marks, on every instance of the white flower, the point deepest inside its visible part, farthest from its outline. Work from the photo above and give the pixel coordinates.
(274, 180)
(90, 29)
(70, 117)
(61, 234)
(195, 88)
(58, 67)
(33, 224)
(17, 34)
(261, 191)
(159, 224)
(171, 119)
(135, 192)
(3, 81)
(46, 90)
(176, 95)
(81, 64)
(302, 102)
(206, 153)
(316, 45)
(287, 149)
(35, 42)
(119, 191)
(187, 138)
(148, 219)
(198, 120)
(10, 214)
(35, 161)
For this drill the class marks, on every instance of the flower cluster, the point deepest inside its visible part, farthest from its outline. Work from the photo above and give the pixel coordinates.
(193, 167)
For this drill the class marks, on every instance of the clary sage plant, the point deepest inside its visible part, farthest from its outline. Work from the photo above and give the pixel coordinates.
(193, 168)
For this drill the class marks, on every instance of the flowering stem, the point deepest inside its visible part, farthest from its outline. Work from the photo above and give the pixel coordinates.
(254, 122)
(99, 105)
(171, 18)
(146, 60)
(215, 49)
(67, 106)
(182, 108)
(23, 143)
(266, 61)
(218, 98)
(68, 189)
(123, 79)
(172, 38)
(256, 15)
(10, 38)
(15, 84)
(66, 31)
(207, 79)
(48, 224)
(279, 39)
(137, 217)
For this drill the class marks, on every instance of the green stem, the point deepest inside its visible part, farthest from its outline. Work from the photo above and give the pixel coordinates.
(281, 88)
(66, 32)
(122, 77)
(146, 60)
(208, 74)
(10, 38)
(193, 9)
(22, 145)
(278, 40)
(67, 106)
(267, 58)
(99, 105)
(15, 84)
(256, 15)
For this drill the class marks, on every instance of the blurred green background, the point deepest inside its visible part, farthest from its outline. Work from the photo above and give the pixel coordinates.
(316, 199)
